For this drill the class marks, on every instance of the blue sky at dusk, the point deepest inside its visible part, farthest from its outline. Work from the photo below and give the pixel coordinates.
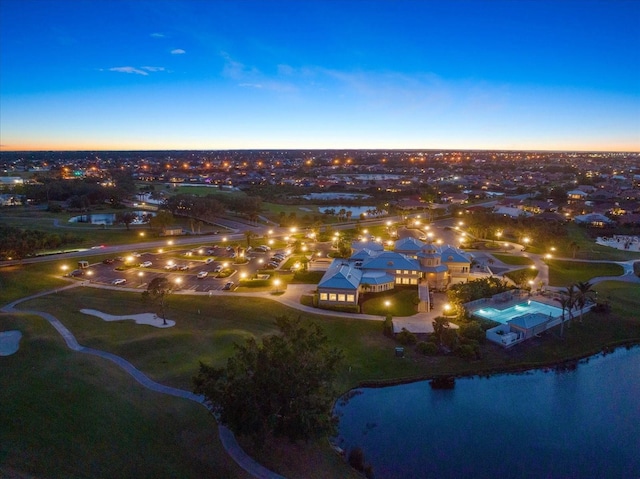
(79, 74)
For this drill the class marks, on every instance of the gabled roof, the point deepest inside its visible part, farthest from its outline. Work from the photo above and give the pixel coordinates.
(370, 245)
(528, 321)
(377, 277)
(341, 275)
(452, 254)
(390, 260)
(363, 254)
(408, 244)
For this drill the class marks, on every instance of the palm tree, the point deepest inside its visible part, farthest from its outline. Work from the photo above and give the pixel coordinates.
(159, 288)
(584, 294)
(571, 293)
(564, 304)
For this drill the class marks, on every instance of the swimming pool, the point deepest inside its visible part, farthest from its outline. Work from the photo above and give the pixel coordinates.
(504, 315)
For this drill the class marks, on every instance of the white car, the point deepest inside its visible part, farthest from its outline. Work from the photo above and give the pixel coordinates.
(202, 274)
(118, 282)
(218, 269)
(208, 260)
(146, 264)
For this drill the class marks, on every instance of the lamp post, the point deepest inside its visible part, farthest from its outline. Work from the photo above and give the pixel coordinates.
(276, 283)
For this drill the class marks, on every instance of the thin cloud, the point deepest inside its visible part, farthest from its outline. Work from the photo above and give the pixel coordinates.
(178, 51)
(153, 69)
(157, 35)
(137, 71)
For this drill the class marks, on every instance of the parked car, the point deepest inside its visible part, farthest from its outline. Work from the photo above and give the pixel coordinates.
(119, 281)
(202, 274)
(183, 267)
(171, 267)
(108, 261)
(218, 269)
(75, 273)
(146, 264)
(208, 261)
(228, 285)
(273, 264)
(265, 247)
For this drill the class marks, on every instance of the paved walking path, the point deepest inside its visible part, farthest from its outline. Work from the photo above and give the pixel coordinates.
(227, 438)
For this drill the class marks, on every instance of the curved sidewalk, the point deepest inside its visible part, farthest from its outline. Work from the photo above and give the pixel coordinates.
(227, 437)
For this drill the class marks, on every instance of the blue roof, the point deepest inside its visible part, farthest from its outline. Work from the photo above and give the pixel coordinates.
(341, 275)
(528, 321)
(377, 277)
(363, 254)
(455, 254)
(408, 244)
(390, 260)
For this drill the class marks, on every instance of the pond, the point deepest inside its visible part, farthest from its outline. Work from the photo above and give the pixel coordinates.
(356, 211)
(579, 423)
(142, 217)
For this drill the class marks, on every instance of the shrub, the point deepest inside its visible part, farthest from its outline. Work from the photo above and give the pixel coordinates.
(427, 348)
(466, 351)
(472, 330)
(406, 337)
(387, 326)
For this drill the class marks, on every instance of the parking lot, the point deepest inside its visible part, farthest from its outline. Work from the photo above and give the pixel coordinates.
(200, 269)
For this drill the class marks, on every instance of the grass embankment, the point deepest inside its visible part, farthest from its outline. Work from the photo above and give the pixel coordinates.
(566, 272)
(67, 414)
(88, 235)
(19, 281)
(513, 260)
(402, 302)
(586, 246)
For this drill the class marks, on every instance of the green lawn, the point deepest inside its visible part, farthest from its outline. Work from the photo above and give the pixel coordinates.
(402, 302)
(67, 414)
(206, 330)
(566, 272)
(587, 247)
(513, 260)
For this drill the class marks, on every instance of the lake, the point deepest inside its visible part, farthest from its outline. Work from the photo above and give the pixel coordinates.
(572, 424)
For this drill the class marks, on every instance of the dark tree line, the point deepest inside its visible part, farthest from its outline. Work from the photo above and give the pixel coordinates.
(82, 193)
(207, 208)
(17, 243)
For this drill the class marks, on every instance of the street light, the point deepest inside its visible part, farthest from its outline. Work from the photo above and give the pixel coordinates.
(276, 283)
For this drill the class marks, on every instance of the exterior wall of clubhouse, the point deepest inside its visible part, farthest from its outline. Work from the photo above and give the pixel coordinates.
(372, 269)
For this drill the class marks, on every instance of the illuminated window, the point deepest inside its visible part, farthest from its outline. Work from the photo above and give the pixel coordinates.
(351, 298)
(332, 297)
(323, 296)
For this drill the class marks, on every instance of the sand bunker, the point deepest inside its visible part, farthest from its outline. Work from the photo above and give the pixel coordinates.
(149, 319)
(9, 342)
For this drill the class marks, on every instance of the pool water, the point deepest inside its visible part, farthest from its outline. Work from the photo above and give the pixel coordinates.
(528, 307)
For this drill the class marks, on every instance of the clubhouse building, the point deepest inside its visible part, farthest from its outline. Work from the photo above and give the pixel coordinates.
(371, 268)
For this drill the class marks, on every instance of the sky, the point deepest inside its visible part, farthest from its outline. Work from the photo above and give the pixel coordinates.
(320, 74)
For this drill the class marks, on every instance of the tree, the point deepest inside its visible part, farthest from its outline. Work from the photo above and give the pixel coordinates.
(161, 220)
(564, 302)
(440, 323)
(158, 288)
(281, 387)
(126, 217)
(248, 234)
(584, 295)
